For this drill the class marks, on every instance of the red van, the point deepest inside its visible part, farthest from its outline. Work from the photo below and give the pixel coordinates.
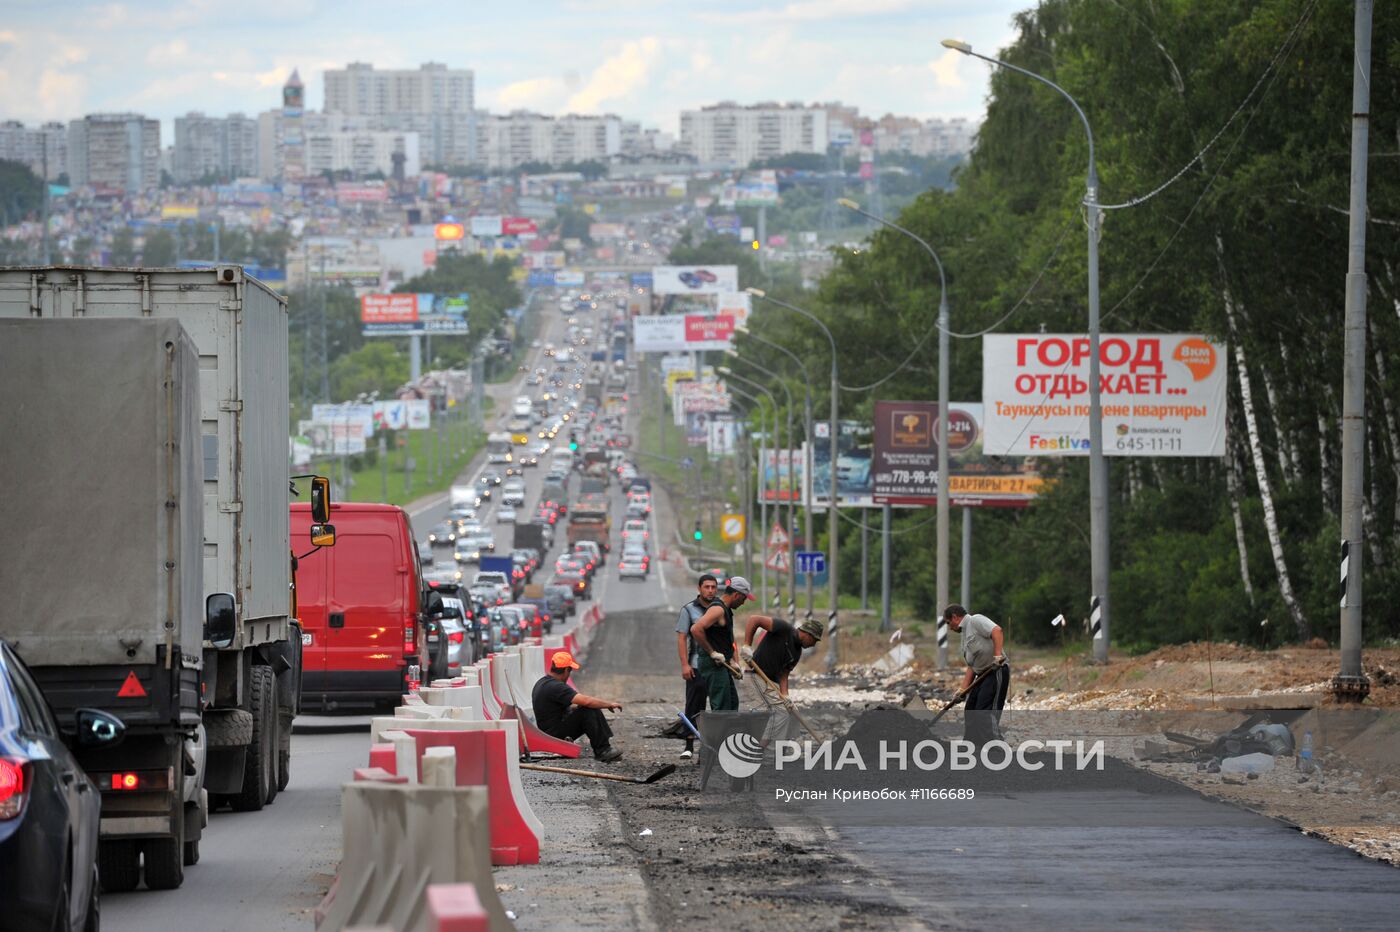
(361, 605)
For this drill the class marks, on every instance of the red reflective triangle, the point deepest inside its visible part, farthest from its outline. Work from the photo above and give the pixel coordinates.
(131, 687)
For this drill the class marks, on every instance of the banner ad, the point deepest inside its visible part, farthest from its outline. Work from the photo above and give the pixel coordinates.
(1162, 394)
(853, 461)
(673, 332)
(906, 459)
(695, 279)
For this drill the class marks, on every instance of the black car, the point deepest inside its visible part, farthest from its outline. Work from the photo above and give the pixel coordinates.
(49, 809)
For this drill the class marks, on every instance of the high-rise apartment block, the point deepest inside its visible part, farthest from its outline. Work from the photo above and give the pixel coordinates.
(116, 151)
(512, 139)
(728, 132)
(214, 147)
(42, 148)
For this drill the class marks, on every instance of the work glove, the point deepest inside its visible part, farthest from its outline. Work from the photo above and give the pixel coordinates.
(999, 660)
(746, 652)
(717, 657)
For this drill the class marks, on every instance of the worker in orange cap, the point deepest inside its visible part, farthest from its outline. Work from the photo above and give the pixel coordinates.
(563, 712)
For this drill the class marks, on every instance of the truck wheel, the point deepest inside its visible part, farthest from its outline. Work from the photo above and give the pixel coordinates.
(257, 767)
(165, 858)
(119, 866)
(191, 853)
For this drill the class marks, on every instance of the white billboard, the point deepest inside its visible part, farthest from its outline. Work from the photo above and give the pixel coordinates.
(671, 332)
(694, 279)
(569, 278)
(486, 225)
(1162, 394)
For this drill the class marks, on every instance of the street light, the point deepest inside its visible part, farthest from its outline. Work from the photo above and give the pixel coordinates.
(1098, 466)
(832, 577)
(763, 435)
(941, 587)
(792, 565)
(731, 374)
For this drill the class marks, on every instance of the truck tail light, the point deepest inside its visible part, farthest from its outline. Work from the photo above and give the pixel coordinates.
(127, 781)
(410, 639)
(12, 788)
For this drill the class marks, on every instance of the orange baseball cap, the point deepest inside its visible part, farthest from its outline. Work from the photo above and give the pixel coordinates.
(562, 659)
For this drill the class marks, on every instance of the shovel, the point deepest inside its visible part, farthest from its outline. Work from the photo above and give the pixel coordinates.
(786, 702)
(962, 695)
(661, 774)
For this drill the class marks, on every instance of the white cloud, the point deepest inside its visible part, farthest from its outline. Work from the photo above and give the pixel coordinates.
(945, 68)
(618, 76)
(530, 94)
(813, 11)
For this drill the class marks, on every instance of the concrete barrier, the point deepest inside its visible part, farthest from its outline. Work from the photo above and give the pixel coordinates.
(460, 697)
(490, 701)
(455, 907)
(397, 840)
(390, 758)
(376, 774)
(536, 741)
(480, 758)
(381, 724)
(534, 663)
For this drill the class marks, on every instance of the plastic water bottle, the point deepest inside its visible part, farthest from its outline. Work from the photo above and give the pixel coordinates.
(1305, 755)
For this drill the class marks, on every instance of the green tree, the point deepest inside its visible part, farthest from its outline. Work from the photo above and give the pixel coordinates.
(123, 247)
(21, 191)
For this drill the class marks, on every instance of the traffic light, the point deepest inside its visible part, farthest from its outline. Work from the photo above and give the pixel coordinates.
(699, 534)
(573, 442)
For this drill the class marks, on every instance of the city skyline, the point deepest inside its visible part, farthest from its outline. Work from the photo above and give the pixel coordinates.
(570, 56)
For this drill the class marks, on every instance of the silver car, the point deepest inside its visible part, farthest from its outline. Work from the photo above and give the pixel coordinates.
(505, 515)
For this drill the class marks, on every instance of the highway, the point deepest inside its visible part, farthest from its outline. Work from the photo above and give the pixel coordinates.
(245, 882)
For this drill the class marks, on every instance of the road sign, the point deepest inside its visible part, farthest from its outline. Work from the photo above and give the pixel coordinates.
(777, 560)
(811, 562)
(777, 538)
(731, 528)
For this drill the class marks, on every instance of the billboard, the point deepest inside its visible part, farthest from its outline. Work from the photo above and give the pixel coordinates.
(905, 464)
(449, 231)
(757, 189)
(737, 306)
(607, 231)
(670, 332)
(641, 279)
(517, 226)
(486, 225)
(774, 486)
(694, 279)
(723, 433)
(1162, 394)
(854, 488)
(570, 278)
(540, 278)
(403, 414)
(407, 314)
(725, 224)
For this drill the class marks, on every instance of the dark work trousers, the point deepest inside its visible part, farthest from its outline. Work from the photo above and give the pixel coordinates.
(696, 693)
(982, 718)
(591, 722)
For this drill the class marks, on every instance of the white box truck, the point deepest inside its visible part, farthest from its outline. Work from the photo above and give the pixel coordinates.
(252, 686)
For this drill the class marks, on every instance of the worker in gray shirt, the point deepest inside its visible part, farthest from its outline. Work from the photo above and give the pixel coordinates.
(983, 653)
(695, 691)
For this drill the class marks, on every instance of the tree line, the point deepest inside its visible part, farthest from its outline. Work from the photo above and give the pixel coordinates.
(1250, 100)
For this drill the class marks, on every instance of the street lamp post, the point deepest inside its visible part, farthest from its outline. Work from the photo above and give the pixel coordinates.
(762, 446)
(1098, 465)
(832, 652)
(792, 573)
(941, 586)
(793, 493)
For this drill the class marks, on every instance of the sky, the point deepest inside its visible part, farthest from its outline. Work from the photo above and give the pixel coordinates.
(641, 59)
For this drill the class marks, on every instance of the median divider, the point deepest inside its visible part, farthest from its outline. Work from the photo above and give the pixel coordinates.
(455, 907)
(395, 847)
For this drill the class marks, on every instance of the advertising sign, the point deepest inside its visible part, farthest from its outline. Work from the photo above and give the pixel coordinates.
(406, 314)
(332, 438)
(607, 231)
(775, 485)
(516, 226)
(1162, 394)
(721, 439)
(540, 278)
(725, 224)
(853, 473)
(641, 279)
(736, 306)
(449, 231)
(666, 333)
(757, 189)
(906, 459)
(694, 279)
(486, 225)
(179, 212)
(403, 414)
(568, 278)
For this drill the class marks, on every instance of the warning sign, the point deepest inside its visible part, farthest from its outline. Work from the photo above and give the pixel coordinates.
(777, 538)
(131, 687)
(777, 560)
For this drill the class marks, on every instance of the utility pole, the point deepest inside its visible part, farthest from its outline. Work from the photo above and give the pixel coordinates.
(885, 622)
(1351, 682)
(46, 254)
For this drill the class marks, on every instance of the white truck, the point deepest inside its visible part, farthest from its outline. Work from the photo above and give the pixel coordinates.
(498, 447)
(251, 686)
